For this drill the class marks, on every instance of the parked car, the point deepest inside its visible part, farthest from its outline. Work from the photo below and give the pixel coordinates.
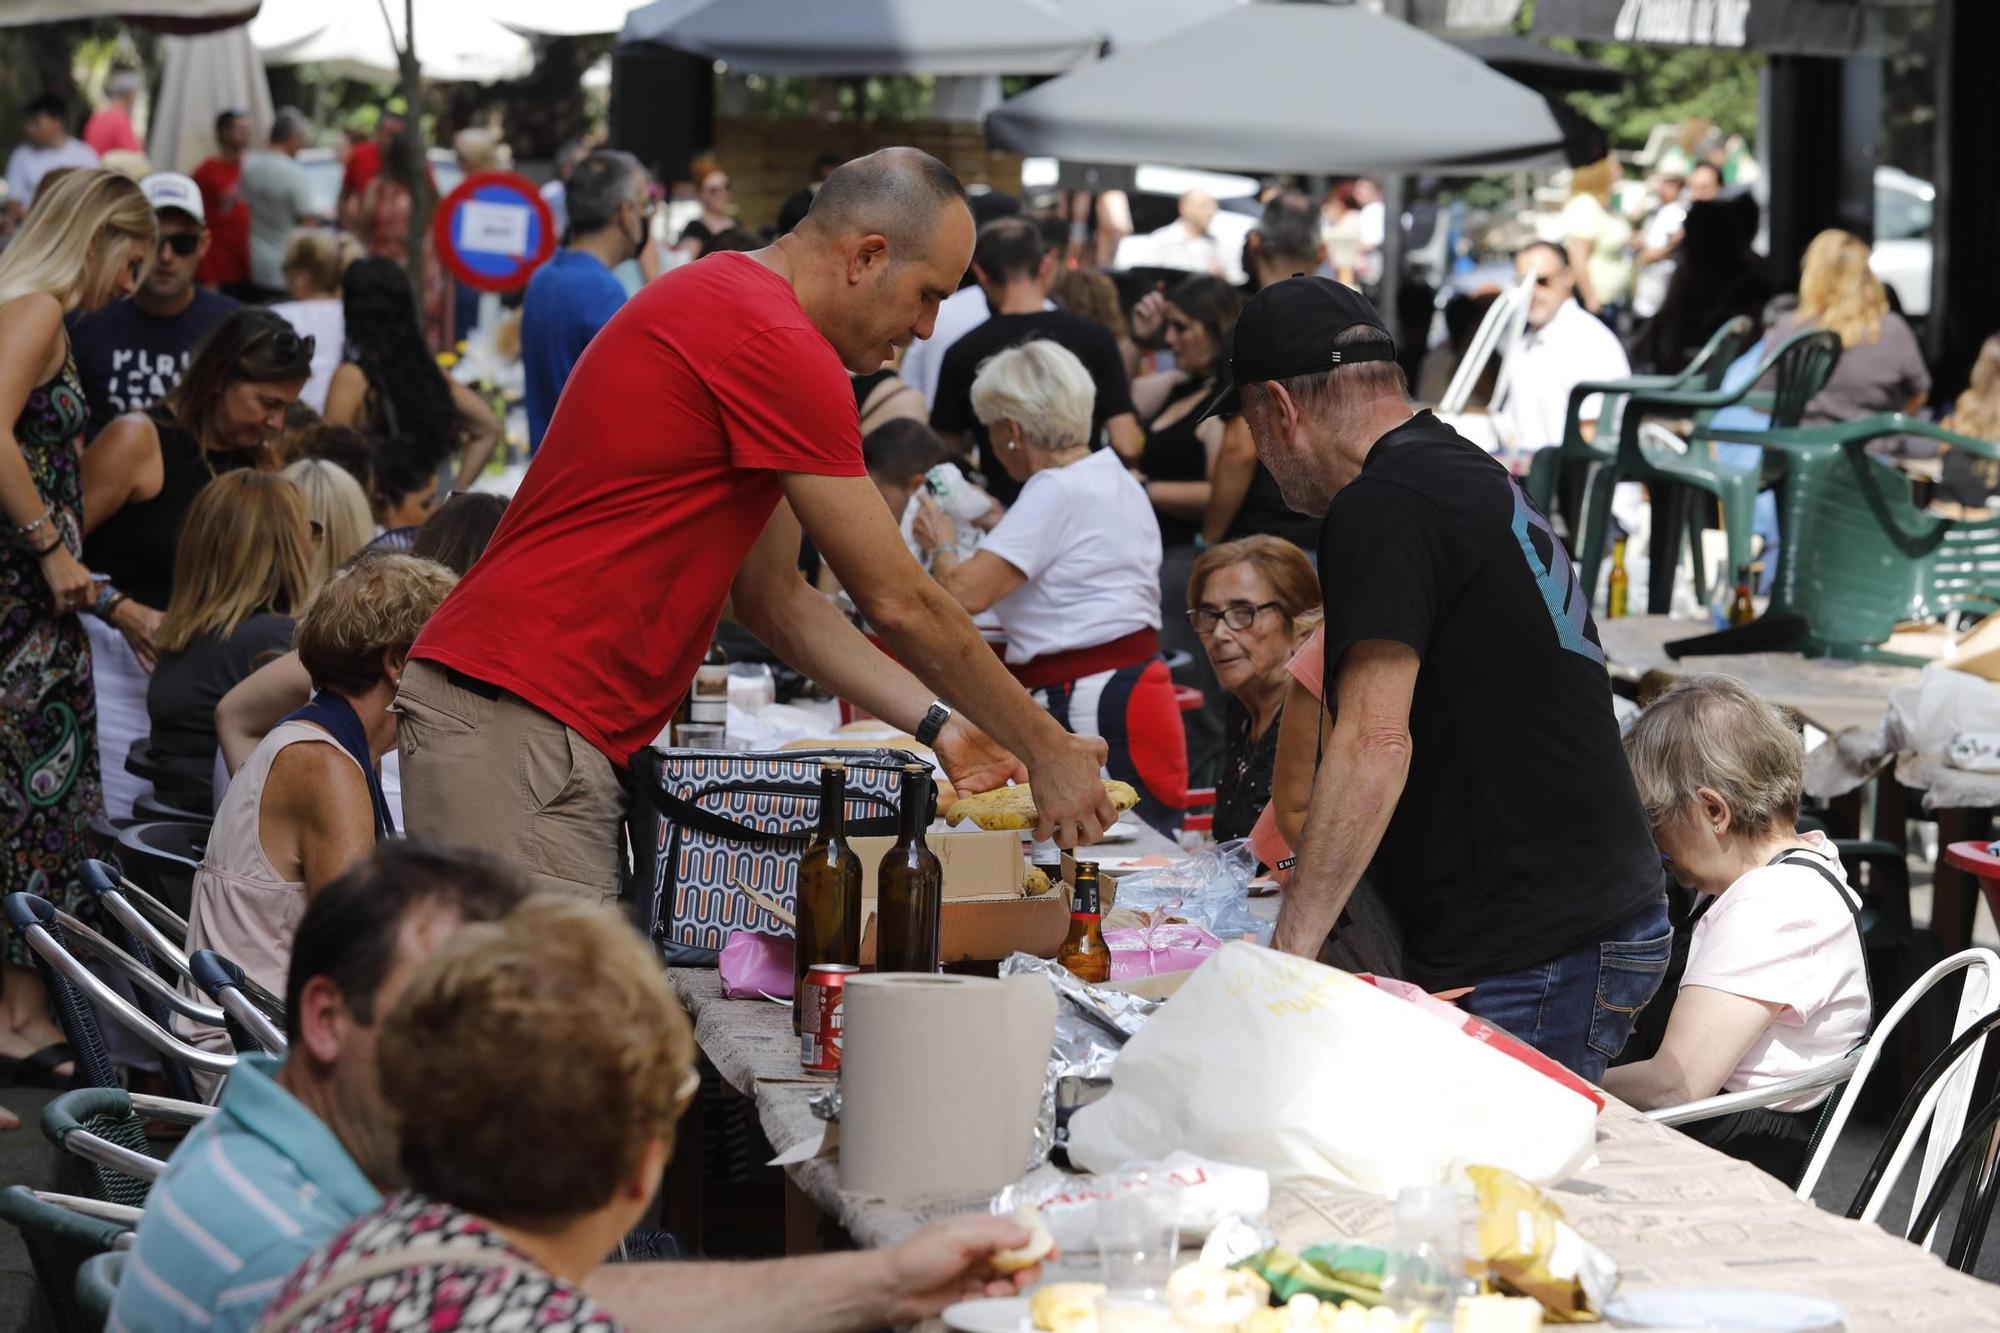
(1904, 205)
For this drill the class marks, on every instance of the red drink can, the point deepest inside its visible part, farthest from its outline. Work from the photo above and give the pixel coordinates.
(820, 1017)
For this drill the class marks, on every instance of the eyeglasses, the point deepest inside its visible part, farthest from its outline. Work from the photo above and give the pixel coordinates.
(1238, 616)
(182, 243)
(1545, 279)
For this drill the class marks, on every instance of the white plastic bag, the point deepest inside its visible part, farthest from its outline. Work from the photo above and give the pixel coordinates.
(1267, 1060)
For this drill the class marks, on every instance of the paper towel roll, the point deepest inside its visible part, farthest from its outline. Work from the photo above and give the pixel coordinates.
(940, 1082)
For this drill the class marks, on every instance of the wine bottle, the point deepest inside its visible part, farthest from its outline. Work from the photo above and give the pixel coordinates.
(910, 885)
(829, 898)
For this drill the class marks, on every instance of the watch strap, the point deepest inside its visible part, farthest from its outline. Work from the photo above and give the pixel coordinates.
(933, 723)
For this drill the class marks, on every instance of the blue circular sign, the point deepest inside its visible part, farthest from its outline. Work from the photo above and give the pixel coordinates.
(494, 231)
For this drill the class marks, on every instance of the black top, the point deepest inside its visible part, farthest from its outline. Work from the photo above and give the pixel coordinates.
(1264, 511)
(187, 685)
(951, 410)
(131, 360)
(134, 548)
(1175, 453)
(1243, 788)
(1519, 834)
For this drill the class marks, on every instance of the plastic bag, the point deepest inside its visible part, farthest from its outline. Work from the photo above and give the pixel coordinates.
(754, 967)
(1210, 889)
(1267, 1060)
(1156, 947)
(1207, 1194)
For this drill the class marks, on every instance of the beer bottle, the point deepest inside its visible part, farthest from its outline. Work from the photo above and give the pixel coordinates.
(1084, 953)
(1742, 611)
(910, 885)
(829, 898)
(1619, 596)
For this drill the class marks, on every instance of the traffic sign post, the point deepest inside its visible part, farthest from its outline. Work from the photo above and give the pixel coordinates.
(494, 231)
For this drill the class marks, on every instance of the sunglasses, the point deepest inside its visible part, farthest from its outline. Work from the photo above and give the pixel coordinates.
(289, 346)
(182, 243)
(1238, 616)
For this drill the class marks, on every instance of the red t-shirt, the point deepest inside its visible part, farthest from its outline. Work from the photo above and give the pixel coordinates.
(228, 257)
(362, 165)
(602, 588)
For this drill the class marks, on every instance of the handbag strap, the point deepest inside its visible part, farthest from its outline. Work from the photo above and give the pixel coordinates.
(382, 1265)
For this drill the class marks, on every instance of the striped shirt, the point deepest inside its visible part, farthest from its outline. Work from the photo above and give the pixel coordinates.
(247, 1196)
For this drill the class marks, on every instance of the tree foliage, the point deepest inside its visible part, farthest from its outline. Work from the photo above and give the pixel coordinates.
(1669, 85)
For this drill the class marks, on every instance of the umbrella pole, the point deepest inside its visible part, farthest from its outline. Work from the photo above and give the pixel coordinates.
(860, 115)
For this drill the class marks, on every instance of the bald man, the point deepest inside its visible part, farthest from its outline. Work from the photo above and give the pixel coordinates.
(708, 421)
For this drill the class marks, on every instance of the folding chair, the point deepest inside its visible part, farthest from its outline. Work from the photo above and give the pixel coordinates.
(59, 1239)
(251, 1029)
(74, 989)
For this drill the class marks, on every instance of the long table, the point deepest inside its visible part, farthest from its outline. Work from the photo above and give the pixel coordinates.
(1669, 1211)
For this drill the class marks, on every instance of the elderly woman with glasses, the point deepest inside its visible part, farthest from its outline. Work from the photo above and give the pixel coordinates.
(1072, 572)
(1252, 602)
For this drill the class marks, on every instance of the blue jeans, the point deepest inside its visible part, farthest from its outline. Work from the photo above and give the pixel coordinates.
(1578, 1008)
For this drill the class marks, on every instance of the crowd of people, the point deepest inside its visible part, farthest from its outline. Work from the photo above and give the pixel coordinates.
(1212, 538)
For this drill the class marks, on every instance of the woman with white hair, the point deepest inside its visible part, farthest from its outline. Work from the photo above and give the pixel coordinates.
(1777, 977)
(1072, 572)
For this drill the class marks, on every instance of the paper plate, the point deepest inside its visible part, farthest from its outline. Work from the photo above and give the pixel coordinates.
(996, 1314)
(1722, 1308)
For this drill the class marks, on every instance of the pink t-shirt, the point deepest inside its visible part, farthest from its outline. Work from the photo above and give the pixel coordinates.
(1782, 935)
(1308, 665)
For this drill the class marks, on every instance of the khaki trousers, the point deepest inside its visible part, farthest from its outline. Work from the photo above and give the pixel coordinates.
(486, 770)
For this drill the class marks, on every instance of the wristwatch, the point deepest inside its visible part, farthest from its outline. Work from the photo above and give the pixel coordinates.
(933, 723)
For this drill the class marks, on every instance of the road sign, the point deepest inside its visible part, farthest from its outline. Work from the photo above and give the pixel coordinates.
(494, 231)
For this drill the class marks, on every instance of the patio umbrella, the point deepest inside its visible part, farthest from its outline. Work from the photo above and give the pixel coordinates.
(178, 15)
(202, 76)
(457, 40)
(1286, 87)
(1130, 23)
(870, 36)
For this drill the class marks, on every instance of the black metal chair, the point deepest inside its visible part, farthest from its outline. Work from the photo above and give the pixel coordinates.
(97, 1287)
(80, 995)
(162, 858)
(153, 810)
(60, 1239)
(251, 1029)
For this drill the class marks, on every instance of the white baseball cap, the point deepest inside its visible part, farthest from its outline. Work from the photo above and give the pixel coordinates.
(170, 189)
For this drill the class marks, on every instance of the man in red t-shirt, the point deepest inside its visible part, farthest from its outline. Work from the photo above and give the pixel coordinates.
(707, 421)
(363, 165)
(220, 178)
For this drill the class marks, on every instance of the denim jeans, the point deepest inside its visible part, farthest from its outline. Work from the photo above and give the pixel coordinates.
(1578, 1008)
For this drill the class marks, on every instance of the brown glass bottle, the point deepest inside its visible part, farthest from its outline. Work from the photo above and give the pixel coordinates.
(1084, 952)
(910, 885)
(829, 899)
(1742, 610)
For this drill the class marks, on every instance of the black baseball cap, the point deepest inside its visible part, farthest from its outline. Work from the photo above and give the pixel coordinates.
(1288, 329)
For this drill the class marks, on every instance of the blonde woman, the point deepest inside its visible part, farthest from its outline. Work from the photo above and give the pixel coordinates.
(314, 261)
(243, 573)
(1881, 368)
(337, 510)
(85, 244)
(1969, 480)
(1599, 240)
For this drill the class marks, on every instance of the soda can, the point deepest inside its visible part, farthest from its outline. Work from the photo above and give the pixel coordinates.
(820, 1017)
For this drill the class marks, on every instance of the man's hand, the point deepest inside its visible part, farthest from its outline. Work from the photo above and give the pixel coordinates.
(1071, 805)
(974, 761)
(949, 1261)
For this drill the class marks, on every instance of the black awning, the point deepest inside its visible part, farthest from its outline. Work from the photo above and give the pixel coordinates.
(1778, 27)
(1525, 60)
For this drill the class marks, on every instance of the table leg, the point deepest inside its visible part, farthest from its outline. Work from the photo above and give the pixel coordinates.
(1954, 893)
(681, 1191)
(806, 1227)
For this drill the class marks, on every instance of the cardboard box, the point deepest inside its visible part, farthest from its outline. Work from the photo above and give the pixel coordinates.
(985, 930)
(977, 864)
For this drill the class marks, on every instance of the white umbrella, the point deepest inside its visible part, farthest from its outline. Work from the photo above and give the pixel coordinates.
(200, 77)
(870, 36)
(16, 13)
(457, 40)
(1285, 87)
(1130, 23)
(569, 18)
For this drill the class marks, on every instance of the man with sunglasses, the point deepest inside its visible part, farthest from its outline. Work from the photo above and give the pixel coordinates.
(132, 352)
(575, 294)
(1563, 346)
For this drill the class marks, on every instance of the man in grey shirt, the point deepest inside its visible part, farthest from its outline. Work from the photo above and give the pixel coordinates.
(280, 199)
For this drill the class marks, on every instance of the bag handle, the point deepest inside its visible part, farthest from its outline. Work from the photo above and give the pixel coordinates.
(382, 1265)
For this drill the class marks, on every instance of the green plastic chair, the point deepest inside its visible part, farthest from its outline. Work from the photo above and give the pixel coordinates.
(1800, 366)
(1857, 556)
(1557, 474)
(59, 1241)
(105, 1136)
(97, 1287)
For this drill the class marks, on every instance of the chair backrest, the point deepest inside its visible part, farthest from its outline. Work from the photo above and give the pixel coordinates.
(39, 923)
(59, 1240)
(1941, 1108)
(250, 1028)
(1802, 365)
(107, 1137)
(28, 914)
(163, 857)
(1723, 347)
(1975, 1145)
(97, 1286)
(1495, 336)
(129, 926)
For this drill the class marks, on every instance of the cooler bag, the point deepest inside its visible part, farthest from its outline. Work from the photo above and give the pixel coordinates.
(708, 823)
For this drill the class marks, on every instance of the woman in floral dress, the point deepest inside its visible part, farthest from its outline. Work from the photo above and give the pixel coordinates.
(86, 242)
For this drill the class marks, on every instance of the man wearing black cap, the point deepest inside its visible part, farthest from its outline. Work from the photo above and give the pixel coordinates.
(1473, 759)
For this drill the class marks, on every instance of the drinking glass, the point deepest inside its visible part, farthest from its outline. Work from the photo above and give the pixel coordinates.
(700, 736)
(1139, 1233)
